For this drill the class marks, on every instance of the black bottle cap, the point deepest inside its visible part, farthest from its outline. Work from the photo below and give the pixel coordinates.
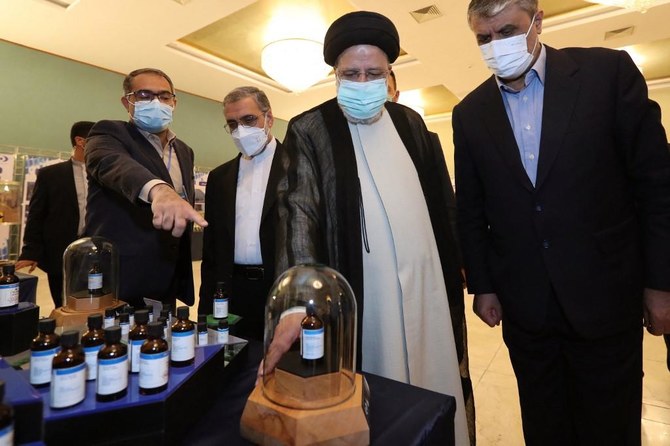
(2, 391)
(223, 323)
(182, 312)
(155, 329)
(110, 312)
(94, 321)
(221, 285)
(202, 326)
(141, 317)
(149, 308)
(46, 325)
(129, 309)
(202, 318)
(69, 339)
(124, 318)
(113, 334)
(167, 307)
(8, 268)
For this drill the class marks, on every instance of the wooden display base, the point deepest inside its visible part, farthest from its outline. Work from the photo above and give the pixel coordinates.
(266, 423)
(68, 316)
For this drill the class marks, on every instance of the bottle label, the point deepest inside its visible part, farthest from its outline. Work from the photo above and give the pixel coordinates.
(222, 335)
(7, 435)
(91, 354)
(68, 386)
(154, 369)
(112, 375)
(203, 338)
(135, 346)
(95, 281)
(108, 322)
(183, 345)
(9, 295)
(40, 365)
(220, 308)
(311, 345)
(125, 329)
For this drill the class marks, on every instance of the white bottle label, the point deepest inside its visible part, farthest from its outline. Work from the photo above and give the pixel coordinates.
(131, 320)
(183, 345)
(40, 365)
(92, 361)
(95, 281)
(125, 329)
(311, 344)
(7, 436)
(135, 346)
(112, 375)
(220, 308)
(222, 335)
(108, 322)
(203, 338)
(68, 386)
(9, 294)
(154, 369)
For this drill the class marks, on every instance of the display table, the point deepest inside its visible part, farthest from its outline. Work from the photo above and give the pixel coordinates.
(400, 414)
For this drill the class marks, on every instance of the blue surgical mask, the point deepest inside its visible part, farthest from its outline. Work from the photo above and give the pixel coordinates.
(362, 100)
(152, 116)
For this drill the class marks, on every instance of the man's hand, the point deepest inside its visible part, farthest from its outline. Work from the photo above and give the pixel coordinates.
(288, 330)
(657, 311)
(23, 263)
(171, 212)
(488, 308)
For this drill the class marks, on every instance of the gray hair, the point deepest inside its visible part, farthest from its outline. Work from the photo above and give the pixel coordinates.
(127, 81)
(248, 92)
(491, 8)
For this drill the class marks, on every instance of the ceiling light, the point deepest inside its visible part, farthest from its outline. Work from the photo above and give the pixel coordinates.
(640, 5)
(295, 63)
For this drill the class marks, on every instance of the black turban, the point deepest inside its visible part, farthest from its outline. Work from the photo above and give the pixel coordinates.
(361, 28)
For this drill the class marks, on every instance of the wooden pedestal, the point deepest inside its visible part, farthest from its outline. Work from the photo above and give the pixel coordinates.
(266, 423)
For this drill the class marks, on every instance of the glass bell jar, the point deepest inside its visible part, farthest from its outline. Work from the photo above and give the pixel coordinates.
(90, 279)
(311, 310)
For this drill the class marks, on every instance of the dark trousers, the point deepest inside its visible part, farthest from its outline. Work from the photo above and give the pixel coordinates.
(577, 391)
(56, 288)
(247, 300)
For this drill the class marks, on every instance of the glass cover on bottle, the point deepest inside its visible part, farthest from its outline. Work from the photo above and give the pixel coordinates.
(312, 309)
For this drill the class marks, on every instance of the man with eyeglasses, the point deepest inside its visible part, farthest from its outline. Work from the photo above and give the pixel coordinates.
(240, 207)
(141, 192)
(366, 194)
(563, 188)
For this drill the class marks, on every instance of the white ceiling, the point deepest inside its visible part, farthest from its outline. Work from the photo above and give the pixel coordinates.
(122, 35)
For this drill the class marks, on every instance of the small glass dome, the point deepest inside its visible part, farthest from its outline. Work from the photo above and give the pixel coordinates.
(311, 312)
(90, 274)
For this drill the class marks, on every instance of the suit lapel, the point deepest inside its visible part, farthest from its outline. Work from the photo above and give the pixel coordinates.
(229, 192)
(154, 162)
(560, 95)
(273, 180)
(497, 123)
(186, 168)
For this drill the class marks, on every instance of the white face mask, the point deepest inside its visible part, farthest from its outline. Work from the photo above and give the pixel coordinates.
(509, 58)
(250, 141)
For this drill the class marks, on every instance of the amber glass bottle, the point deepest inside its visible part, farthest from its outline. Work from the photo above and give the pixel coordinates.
(68, 373)
(92, 342)
(95, 280)
(220, 301)
(112, 382)
(42, 351)
(182, 351)
(9, 287)
(136, 338)
(154, 361)
(311, 335)
(203, 332)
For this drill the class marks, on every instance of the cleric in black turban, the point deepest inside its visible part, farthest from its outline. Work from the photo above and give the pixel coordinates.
(361, 28)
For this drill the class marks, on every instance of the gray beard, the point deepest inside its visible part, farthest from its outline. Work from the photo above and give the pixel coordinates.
(366, 121)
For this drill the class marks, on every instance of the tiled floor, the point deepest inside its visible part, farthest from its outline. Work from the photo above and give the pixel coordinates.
(496, 400)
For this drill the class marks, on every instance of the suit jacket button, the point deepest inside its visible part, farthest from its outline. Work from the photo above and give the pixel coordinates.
(546, 244)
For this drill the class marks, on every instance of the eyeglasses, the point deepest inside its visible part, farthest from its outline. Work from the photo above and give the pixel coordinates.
(148, 95)
(245, 121)
(355, 75)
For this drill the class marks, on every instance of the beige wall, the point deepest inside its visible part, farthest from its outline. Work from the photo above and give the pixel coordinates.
(443, 126)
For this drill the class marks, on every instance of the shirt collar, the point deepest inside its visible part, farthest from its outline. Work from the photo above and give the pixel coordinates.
(538, 70)
(77, 163)
(153, 137)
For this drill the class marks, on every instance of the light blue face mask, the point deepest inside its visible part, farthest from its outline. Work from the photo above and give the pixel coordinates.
(362, 100)
(153, 116)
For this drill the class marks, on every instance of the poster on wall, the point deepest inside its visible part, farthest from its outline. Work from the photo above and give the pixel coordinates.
(7, 162)
(4, 241)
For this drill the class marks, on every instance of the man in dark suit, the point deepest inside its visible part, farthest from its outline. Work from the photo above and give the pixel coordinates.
(56, 213)
(563, 189)
(239, 243)
(141, 192)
